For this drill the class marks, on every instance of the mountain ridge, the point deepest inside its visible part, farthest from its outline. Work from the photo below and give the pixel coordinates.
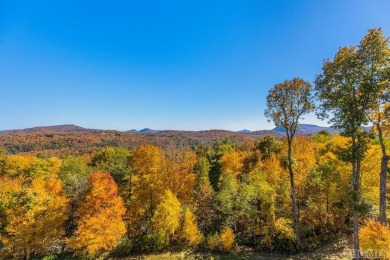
(65, 128)
(308, 129)
(72, 139)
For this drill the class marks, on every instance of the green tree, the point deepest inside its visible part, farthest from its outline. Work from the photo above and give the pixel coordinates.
(374, 56)
(226, 200)
(220, 148)
(74, 176)
(287, 102)
(342, 94)
(204, 194)
(116, 161)
(268, 145)
(74, 173)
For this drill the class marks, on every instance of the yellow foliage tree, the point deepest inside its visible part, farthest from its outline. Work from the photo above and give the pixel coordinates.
(167, 216)
(304, 155)
(100, 223)
(18, 164)
(10, 190)
(55, 165)
(227, 239)
(375, 239)
(190, 232)
(9, 187)
(36, 223)
(273, 169)
(370, 176)
(232, 163)
(29, 167)
(148, 187)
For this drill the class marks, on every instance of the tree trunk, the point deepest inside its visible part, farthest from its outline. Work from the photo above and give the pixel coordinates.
(70, 227)
(327, 208)
(293, 197)
(383, 178)
(382, 190)
(356, 197)
(356, 248)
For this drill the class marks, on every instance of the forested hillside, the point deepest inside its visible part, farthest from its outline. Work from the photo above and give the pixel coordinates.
(56, 143)
(72, 139)
(214, 197)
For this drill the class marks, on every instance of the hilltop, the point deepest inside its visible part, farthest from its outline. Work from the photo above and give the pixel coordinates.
(69, 128)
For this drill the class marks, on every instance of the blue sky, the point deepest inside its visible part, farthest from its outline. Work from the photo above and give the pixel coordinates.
(186, 65)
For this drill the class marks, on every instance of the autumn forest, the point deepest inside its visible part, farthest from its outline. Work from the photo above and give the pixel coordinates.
(286, 194)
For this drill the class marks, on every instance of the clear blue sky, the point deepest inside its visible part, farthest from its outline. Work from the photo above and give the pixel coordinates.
(166, 64)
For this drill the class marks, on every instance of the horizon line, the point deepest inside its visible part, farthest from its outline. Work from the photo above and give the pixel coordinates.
(155, 129)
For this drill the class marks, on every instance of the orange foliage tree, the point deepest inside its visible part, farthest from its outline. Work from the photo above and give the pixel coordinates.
(100, 222)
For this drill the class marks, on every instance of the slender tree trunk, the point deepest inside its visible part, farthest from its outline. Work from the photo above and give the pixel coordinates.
(70, 228)
(293, 196)
(383, 178)
(356, 248)
(383, 189)
(356, 197)
(327, 208)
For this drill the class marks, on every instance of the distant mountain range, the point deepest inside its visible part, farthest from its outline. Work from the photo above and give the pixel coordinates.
(143, 131)
(52, 140)
(307, 129)
(244, 131)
